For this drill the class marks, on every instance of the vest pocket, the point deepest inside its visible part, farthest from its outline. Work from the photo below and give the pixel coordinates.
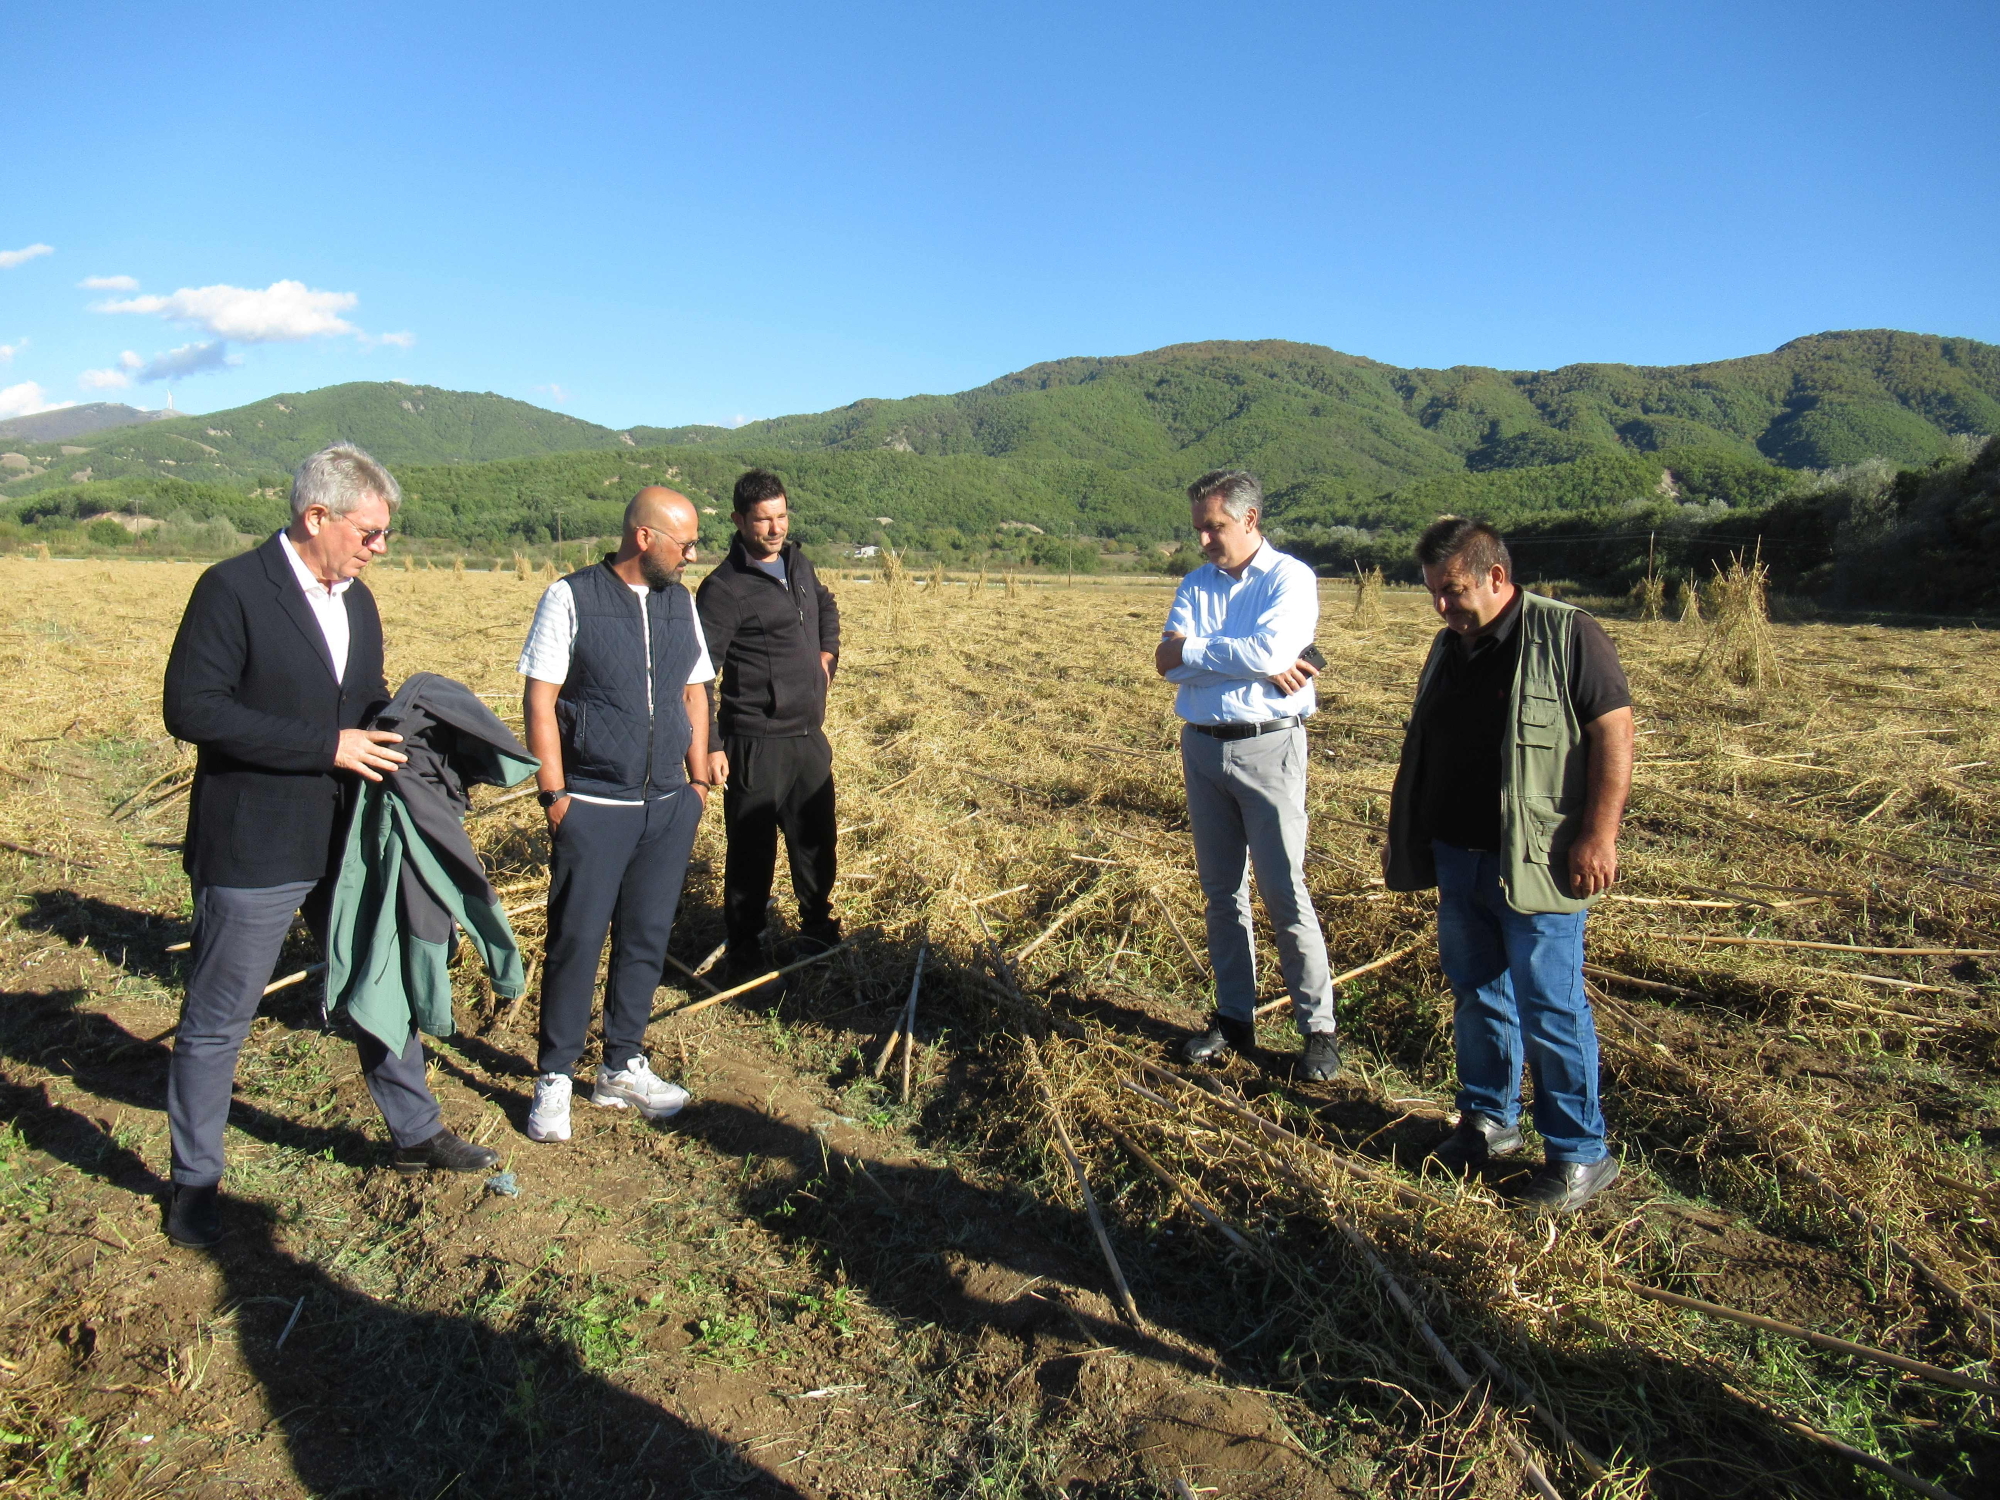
(570, 720)
(1541, 821)
(1540, 721)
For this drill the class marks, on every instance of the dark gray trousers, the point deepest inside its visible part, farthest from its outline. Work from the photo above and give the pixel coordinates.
(239, 934)
(615, 869)
(1247, 805)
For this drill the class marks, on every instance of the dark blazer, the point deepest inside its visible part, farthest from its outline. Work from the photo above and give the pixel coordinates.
(250, 683)
(764, 639)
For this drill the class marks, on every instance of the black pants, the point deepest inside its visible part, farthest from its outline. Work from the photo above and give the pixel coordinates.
(778, 783)
(618, 869)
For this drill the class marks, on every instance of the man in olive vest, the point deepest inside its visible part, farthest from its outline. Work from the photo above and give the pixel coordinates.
(1516, 764)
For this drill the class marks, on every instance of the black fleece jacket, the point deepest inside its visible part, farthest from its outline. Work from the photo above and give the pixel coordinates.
(765, 639)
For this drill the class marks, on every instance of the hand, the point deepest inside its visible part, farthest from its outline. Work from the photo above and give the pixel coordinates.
(1593, 865)
(718, 768)
(1167, 655)
(361, 751)
(557, 811)
(1294, 677)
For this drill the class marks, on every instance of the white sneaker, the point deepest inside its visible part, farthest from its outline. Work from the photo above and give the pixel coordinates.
(548, 1116)
(638, 1086)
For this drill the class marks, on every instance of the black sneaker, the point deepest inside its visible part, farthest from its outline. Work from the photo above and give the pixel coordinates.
(1321, 1060)
(447, 1153)
(740, 968)
(1562, 1187)
(814, 941)
(1224, 1034)
(194, 1217)
(1477, 1139)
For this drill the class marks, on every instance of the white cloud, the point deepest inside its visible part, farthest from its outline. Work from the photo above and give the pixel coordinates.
(12, 258)
(8, 351)
(25, 399)
(393, 340)
(112, 378)
(555, 393)
(109, 283)
(282, 311)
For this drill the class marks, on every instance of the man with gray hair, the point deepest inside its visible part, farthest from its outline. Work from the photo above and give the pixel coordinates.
(277, 664)
(1234, 644)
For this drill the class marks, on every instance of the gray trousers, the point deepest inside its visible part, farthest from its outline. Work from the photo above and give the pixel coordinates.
(239, 934)
(1247, 803)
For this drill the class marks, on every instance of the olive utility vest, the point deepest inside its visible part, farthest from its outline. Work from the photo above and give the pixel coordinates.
(625, 729)
(1542, 775)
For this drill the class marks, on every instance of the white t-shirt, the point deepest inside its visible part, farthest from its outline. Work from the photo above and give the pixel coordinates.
(552, 638)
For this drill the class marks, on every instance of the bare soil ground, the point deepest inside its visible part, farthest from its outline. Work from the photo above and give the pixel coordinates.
(805, 1286)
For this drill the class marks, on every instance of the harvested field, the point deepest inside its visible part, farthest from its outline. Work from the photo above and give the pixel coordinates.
(806, 1285)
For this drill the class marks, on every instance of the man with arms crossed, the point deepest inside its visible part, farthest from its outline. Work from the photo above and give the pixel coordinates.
(1515, 768)
(774, 631)
(277, 663)
(1232, 644)
(617, 712)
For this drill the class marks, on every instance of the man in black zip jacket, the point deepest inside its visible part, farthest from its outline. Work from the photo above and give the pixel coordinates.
(773, 633)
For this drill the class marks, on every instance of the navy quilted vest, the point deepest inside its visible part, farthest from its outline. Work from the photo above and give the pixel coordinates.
(618, 740)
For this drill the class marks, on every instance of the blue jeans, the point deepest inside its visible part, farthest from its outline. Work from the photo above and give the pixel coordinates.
(1518, 982)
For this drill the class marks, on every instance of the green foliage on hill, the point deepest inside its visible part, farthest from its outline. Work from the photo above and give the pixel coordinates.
(1356, 455)
(258, 444)
(1298, 412)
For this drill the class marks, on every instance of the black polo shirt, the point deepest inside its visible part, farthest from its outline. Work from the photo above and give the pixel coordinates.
(1465, 722)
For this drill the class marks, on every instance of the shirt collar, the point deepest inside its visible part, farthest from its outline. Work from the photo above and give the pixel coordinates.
(1262, 560)
(1499, 632)
(304, 574)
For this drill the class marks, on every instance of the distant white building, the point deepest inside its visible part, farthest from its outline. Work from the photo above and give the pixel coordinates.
(866, 552)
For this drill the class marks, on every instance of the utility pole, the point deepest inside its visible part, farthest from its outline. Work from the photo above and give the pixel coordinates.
(559, 550)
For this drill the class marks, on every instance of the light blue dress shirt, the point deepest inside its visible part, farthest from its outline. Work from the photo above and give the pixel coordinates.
(1239, 631)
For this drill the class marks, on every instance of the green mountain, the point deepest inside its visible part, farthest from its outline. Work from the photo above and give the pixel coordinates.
(1304, 415)
(1356, 455)
(74, 421)
(254, 446)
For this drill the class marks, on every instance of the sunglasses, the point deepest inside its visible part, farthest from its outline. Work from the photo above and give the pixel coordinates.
(368, 538)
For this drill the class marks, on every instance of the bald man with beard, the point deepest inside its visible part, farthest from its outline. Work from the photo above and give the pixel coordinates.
(617, 711)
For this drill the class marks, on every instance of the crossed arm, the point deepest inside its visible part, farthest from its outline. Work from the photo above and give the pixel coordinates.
(1269, 652)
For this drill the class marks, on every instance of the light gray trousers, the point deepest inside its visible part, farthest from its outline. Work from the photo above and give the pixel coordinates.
(239, 933)
(1247, 802)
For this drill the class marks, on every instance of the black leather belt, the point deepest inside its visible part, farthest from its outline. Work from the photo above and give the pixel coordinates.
(1245, 731)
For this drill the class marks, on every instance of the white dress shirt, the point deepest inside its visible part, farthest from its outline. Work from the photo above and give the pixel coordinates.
(551, 642)
(1239, 632)
(326, 604)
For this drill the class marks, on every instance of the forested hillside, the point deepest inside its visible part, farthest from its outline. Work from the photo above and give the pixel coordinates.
(1584, 463)
(255, 446)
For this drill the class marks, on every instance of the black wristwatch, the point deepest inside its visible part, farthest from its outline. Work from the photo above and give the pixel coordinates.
(550, 799)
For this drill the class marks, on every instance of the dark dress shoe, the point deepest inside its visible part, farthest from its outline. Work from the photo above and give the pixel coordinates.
(736, 970)
(447, 1153)
(1224, 1034)
(194, 1217)
(1477, 1139)
(1562, 1187)
(1321, 1060)
(814, 941)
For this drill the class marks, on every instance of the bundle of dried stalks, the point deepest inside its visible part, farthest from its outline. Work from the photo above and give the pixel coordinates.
(1649, 599)
(1689, 593)
(1367, 611)
(1739, 648)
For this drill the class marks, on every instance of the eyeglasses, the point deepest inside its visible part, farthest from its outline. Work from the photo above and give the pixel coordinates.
(368, 538)
(687, 547)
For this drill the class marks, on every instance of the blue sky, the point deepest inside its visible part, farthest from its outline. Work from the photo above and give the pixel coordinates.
(652, 213)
